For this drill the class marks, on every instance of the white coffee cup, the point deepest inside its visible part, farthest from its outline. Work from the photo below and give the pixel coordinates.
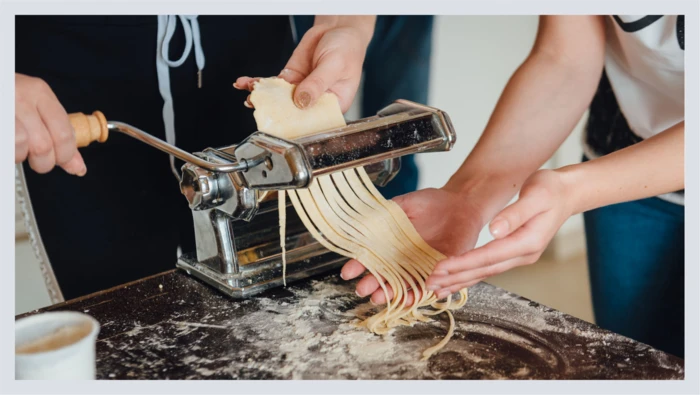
(56, 346)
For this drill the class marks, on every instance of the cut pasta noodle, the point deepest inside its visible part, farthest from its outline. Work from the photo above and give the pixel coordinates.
(345, 212)
(282, 208)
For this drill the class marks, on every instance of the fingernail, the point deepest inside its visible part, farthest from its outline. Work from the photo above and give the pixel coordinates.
(356, 293)
(499, 227)
(245, 103)
(442, 294)
(82, 171)
(283, 72)
(433, 287)
(343, 277)
(440, 272)
(235, 85)
(303, 99)
(372, 302)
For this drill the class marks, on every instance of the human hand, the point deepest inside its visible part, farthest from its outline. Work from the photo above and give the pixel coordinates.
(43, 132)
(446, 220)
(328, 58)
(522, 231)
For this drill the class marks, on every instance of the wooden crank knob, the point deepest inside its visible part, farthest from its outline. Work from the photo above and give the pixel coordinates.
(89, 128)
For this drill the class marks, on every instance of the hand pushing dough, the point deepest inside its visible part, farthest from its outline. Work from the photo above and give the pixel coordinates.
(347, 215)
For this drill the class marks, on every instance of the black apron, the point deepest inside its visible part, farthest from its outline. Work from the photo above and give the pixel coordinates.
(125, 219)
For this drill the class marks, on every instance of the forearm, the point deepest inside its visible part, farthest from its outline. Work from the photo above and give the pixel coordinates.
(649, 168)
(538, 109)
(363, 23)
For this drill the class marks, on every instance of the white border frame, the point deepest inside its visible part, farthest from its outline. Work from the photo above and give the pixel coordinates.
(439, 7)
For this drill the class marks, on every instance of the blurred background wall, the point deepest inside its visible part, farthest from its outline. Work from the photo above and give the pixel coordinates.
(473, 58)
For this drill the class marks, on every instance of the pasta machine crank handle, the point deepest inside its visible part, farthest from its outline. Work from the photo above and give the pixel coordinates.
(95, 127)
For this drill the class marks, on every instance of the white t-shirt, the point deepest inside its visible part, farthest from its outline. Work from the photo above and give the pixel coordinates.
(645, 65)
(644, 61)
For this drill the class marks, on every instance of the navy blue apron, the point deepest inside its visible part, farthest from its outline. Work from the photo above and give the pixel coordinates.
(125, 219)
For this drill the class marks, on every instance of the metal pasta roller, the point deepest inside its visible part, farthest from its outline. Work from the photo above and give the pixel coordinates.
(236, 226)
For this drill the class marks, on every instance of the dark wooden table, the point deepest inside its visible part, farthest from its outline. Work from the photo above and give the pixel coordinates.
(171, 326)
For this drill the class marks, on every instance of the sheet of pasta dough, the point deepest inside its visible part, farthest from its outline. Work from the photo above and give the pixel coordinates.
(276, 114)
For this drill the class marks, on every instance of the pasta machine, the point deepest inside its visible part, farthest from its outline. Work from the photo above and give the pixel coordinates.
(232, 190)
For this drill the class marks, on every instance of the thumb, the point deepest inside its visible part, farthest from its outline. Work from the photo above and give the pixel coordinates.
(409, 204)
(76, 165)
(316, 83)
(300, 63)
(518, 213)
(402, 200)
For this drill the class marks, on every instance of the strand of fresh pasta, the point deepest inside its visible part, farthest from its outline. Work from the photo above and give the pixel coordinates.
(345, 219)
(404, 224)
(324, 234)
(348, 214)
(398, 248)
(366, 236)
(369, 212)
(386, 268)
(407, 227)
(282, 208)
(312, 199)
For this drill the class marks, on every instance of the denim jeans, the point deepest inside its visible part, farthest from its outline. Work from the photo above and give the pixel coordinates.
(636, 265)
